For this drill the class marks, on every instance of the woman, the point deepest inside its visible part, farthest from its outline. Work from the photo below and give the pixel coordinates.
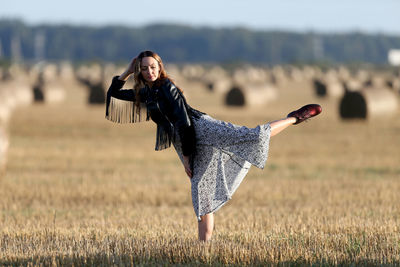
(216, 155)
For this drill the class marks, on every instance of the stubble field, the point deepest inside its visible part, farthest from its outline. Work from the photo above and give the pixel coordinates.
(80, 190)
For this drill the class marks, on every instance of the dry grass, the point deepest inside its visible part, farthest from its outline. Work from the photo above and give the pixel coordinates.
(80, 190)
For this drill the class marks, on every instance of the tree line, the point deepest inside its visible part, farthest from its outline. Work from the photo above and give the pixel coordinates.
(187, 44)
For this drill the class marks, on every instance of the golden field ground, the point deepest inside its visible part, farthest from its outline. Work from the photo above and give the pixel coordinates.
(80, 190)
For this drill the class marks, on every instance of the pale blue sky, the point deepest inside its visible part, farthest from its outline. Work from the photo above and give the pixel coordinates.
(370, 16)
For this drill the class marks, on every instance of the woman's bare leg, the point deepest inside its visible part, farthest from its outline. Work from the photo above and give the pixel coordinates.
(279, 125)
(206, 226)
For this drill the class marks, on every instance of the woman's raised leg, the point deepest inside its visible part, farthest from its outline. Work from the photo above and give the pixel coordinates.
(206, 227)
(279, 125)
(295, 117)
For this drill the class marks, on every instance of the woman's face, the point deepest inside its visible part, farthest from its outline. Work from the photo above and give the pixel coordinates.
(150, 69)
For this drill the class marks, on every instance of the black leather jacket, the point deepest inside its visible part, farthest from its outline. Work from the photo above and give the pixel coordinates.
(166, 106)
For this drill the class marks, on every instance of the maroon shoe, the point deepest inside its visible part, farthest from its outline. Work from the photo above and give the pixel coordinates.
(305, 112)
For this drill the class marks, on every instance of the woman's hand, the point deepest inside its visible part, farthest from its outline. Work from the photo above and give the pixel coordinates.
(131, 66)
(131, 69)
(186, 164)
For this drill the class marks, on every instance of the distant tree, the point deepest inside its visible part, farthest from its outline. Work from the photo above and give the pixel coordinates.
(180, 43)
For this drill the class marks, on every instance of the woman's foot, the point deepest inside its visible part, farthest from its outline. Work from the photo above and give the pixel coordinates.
(305, 112)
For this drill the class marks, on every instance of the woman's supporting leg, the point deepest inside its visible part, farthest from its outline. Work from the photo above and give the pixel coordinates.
(279, 125)
(206, 227)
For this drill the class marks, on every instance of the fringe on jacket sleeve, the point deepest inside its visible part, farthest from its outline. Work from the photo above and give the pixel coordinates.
(121, 105)
(122, 111)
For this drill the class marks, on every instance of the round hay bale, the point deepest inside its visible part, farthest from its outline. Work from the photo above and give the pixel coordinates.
(96, 88)
(344, 73)
(394, 84)
(54, 94)
(50, 72)
(278, 75)
(352, 84)
(38, 89)
(5, 113)
(217, 79)
(192, 71)
(47, 91)
(376, 81)
(320, 87)
(257, 75)
(67, 71)
(173, 71)
(4, 143)
(97, 94)
(220, 85)
(310, 72)
(362, 75)
(250, 95)
(368, 103)
(331, 88)
(295, 74)
(7, 97)
(249, 74)
(22, 93)
(214, 72)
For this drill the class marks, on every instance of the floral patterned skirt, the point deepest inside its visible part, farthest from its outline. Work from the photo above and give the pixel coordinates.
(224, 155)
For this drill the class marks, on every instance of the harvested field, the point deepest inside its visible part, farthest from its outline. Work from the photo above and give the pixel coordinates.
(80, 190)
